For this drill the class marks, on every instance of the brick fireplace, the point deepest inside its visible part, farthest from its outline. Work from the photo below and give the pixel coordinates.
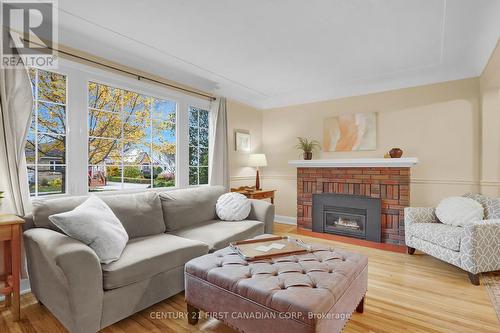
(386, 179)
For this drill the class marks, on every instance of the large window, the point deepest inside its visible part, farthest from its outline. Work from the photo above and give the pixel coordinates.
(198, 146)
(46, 144)
(132, 139)
(95, 130)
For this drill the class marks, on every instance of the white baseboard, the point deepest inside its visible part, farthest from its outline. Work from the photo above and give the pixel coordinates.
(285, 219)
(25, 288)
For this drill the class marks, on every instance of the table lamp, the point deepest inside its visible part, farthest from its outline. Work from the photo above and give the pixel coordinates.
(257, 160)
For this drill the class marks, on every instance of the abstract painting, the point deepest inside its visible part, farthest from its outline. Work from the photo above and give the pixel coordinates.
(350, 132)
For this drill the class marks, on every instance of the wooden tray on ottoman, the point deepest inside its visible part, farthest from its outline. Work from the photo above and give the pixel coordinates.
(247, 248)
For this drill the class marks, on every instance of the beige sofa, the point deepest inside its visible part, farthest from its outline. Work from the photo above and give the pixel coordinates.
(166, 230)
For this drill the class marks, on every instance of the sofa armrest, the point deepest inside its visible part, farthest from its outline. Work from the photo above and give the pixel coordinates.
(66, 276)
(480, 246)
(262, 211)
(28, 222)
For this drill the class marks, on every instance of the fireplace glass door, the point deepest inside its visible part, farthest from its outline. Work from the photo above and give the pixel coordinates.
(345, 221)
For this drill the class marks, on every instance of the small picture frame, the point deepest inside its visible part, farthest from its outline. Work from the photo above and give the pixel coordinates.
(242, 141)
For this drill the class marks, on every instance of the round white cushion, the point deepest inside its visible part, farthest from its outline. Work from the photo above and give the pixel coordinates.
(459, 211)
(233, 207)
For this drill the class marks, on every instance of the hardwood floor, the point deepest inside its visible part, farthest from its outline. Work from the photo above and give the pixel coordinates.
(405, 294)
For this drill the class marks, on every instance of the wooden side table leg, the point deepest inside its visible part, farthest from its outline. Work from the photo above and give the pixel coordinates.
(272, 200)
(7, 265)
(16, 272)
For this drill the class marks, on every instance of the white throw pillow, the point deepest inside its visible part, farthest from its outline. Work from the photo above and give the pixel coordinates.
(233, 207)
(459, 211)
(94, 224)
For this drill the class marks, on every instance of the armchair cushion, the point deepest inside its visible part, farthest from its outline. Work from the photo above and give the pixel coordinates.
(459, 211)
(147, 256)
(491, 205)
(440, 234)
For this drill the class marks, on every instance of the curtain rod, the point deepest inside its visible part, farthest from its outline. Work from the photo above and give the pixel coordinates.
(138, 76)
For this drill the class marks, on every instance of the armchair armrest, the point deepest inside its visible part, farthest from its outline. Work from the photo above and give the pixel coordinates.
(420, 215)
(480, 246)
(417, 215)
(262, 211)
(66, 276)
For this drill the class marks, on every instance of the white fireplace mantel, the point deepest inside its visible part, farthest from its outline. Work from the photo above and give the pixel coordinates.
(404, 162)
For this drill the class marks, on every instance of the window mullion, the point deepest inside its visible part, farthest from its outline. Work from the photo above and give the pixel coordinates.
(36, 133)
(122, 116)
(182, 144)
(198, 148)
(151, 164)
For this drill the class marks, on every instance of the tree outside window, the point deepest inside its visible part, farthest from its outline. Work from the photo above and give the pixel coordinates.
(132, 139)
(198, 146)
(46, 142)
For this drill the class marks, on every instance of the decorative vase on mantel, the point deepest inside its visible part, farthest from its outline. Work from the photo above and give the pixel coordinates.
(396, 152)
(308, 155)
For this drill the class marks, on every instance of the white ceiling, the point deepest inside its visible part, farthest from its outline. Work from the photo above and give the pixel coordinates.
(270, 53)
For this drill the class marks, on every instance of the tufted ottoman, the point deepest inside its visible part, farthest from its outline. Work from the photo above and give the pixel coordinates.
(312, 292)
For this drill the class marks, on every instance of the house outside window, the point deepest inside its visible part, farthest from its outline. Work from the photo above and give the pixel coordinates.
(46, 142)
(132, 140)
(94, 130)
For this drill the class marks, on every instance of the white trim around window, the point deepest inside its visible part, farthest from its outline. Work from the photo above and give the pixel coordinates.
(78, 76)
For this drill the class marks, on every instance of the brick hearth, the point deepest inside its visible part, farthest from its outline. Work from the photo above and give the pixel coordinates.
(391, 185)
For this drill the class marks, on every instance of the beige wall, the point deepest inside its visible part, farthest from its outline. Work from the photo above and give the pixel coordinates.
(490, 120)
(241, 116)
(439, 124)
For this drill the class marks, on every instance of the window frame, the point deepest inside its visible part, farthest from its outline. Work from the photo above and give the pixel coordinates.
(78, 76)
(36, 164)
(209, 129)
(122, 164)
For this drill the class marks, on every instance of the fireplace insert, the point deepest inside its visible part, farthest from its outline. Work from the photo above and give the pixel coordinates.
(345, 221)
(347, 215)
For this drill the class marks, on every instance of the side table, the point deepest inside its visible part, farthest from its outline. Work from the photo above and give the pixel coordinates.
(10, 235)
(256, 194)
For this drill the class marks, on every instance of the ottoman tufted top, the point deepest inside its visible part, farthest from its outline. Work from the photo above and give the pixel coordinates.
(310, 282)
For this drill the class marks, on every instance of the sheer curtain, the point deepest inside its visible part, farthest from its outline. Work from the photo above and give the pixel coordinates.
(16, 104)
(219, 160)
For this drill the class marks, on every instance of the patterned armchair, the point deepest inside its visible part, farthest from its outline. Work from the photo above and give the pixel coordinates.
(474, 248)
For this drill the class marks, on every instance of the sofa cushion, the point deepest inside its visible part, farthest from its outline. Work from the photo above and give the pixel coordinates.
(439, 234)
(218, 234)
(94, 224)
(140, 213)
(186, 207)
(233, 206)
(145, 257)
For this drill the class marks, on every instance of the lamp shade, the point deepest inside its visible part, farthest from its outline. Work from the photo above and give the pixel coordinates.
(257, 160)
